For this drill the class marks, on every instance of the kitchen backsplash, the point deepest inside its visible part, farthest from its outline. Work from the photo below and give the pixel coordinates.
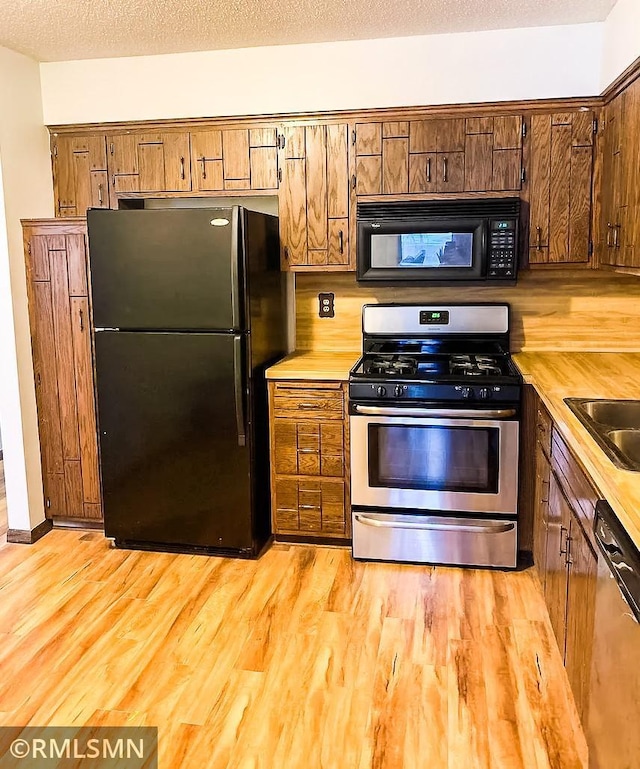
(560, 310)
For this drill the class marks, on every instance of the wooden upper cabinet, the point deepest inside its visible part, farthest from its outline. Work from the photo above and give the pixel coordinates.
(79, 173)
(59, 313)
(620, 224)
(149, 162)
(439, 155)
(314, 196)
(206, 161)
(560, 175)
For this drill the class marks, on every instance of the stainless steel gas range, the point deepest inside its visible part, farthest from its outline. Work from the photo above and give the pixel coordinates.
(434, 407)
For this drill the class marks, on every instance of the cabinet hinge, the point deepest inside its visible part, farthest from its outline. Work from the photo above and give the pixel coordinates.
(111, 148)
(281, 141)
(47, 502)
(523, 175)
(353, 182)
(590, 249)
(29, 248)
(353, 137)
(595, 125)
(524, 129)
(280, 175)
(55, 150)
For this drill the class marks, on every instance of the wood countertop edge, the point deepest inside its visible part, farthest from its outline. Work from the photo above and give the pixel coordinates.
(321, 365)
(604, 475)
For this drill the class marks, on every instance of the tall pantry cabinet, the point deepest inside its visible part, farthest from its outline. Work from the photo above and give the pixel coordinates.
(60, 319)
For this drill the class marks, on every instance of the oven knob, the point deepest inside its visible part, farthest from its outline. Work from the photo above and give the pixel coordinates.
(484, 394)
(398, 391)
(382, 391)
(466, 393)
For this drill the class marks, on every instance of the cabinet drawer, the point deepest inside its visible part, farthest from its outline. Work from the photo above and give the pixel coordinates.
(308, 448)
(315, 507)
(544, 426)
(575, 484)
(313, 402)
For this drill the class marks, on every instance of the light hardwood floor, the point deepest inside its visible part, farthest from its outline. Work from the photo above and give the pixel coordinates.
(303, 659)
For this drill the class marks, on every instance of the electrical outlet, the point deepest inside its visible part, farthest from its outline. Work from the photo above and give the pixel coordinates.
(325, 306)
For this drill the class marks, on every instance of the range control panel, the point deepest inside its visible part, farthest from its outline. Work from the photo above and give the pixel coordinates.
(502, 249)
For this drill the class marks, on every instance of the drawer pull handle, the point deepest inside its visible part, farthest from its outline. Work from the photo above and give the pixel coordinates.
(428, 170)
(307, 406)
(308, 451)
(341, 237)
(538, 238)
(182, 174)
(308, 507)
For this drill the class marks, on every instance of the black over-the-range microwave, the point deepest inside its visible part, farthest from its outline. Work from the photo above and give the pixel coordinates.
(428, 242)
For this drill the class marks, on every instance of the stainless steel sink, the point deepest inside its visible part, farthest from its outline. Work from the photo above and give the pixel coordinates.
(628, 443)
(623, 415)
(615, 425)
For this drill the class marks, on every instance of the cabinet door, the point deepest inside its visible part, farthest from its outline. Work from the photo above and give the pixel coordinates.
(79, 174)
(368, 150)
(541, 513)
(206, 160)
(556, 561)
(450, 172)
(177, 162)
(621, 196)
(314, 198)
(150, 162)
(560, 187)
(478, 162)
(583, 569)
(61, 344)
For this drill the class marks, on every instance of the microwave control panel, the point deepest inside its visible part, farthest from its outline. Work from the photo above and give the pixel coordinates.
(502, 249)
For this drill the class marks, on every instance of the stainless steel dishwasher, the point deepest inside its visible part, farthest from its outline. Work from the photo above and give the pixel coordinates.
(613, 729)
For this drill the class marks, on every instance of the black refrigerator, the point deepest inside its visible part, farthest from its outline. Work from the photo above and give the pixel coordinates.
(188, 311)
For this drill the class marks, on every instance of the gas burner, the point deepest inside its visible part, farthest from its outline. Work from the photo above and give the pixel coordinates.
(474, 365)
(397, 365)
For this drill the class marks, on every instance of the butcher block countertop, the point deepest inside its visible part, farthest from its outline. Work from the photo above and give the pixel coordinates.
(590, 375)
(316, 364)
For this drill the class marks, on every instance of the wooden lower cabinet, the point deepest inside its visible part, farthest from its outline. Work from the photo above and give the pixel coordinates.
(565, 554)
(309, 439)
(60, 320)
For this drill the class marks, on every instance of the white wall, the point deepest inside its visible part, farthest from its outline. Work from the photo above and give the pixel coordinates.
(621, 44)
(438, 69)
(25, 191)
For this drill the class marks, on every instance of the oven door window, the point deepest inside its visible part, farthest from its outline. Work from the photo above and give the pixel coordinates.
(434, 458)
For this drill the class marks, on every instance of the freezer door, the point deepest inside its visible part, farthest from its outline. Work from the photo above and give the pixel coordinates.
(167, 269)
(173, 426)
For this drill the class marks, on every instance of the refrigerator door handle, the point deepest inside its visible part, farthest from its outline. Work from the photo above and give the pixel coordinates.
(237, 389)
(236, 234)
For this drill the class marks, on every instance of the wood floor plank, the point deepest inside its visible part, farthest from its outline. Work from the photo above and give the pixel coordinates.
(303, 659)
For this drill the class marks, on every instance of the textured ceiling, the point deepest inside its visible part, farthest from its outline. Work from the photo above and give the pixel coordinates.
(57, 30)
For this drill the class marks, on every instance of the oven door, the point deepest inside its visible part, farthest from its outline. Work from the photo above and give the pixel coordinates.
(434, 459)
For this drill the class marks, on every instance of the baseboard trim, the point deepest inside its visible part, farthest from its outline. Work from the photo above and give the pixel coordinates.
(29, 537)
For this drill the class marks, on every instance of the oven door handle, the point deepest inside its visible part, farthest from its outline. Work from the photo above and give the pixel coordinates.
(496, 528)
(384, 411)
